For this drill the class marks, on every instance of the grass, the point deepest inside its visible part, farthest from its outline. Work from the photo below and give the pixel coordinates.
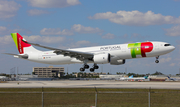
(85, 97)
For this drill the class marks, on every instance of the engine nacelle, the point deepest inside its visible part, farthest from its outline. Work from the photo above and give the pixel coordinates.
(117, 62)
(102, 58)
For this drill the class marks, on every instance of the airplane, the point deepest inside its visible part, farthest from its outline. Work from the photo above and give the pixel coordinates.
(3, 77)
(125, 78)
(113, 54)
(133, 78)
(139, 78)
(173, 79)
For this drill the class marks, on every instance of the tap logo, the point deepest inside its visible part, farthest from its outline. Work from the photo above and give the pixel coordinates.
(18, 41)
(140, 48)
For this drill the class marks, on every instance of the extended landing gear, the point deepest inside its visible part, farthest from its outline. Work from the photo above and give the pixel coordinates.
(85, 67)
(157, 61)
(95, 66)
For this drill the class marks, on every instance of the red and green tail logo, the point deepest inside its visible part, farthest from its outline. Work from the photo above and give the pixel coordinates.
(19, 43)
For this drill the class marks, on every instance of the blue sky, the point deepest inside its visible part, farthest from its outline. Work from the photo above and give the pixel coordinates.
(81, 23)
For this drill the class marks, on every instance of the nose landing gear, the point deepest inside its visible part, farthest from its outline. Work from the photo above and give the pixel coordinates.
(157, 61)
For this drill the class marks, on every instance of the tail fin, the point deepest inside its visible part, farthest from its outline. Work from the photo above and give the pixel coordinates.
(145, 77)
(22, 46)
(131, 76)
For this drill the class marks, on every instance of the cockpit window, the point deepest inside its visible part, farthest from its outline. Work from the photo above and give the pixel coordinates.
(167, 44)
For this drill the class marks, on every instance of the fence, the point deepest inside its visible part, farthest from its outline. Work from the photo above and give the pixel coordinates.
(88, 99)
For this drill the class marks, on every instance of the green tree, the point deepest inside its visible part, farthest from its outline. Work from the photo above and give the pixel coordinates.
(157, 73)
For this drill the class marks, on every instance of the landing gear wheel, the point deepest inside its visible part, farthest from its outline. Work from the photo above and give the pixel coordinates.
(82, 69)
(92, 69)
(86, 66)
(96, 67)
(157, 61)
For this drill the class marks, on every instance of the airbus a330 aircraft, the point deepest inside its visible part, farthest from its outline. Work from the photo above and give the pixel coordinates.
(113, 54)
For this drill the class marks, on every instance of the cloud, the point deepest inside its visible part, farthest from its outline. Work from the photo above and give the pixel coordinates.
(55, 31)
(172, 64)
(44, 39)
(75, 28)
(53, 3)
(135, 35)
(163, 60)
(82, 29)
(8, 9)
(2, 29)
(5, 30)
(108, 36)
(81, 44)
(7, 39)
(34, 12)
(136, 18)
(174, 31)
(125, 36)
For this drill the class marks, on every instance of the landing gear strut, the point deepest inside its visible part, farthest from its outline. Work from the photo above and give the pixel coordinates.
(85, 67)
(157, 61)
(95, 66)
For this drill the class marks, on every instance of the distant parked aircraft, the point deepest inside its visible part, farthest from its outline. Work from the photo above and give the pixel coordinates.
(113, 54)
(126, 78)
(133, 78)
(3, 77)
(173, 79)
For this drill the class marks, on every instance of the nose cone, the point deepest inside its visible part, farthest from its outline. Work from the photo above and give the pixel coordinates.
(172, 48)
(168, 48)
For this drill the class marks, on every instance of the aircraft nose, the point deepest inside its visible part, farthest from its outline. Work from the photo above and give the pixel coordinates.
(172, 48)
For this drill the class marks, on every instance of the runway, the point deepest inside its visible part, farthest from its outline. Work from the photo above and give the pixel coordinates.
(90, 84)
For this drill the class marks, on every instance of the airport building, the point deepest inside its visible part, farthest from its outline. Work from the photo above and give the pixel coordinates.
(48, 71)
(157, 77)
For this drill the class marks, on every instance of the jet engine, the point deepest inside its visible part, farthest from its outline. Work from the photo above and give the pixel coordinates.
(102, 58)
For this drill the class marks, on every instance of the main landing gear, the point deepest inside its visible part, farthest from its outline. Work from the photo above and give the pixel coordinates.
(85, 67)
(95, 66)
(157, 61)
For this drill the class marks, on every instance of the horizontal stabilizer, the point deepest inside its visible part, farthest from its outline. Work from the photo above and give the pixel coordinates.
(24, 56)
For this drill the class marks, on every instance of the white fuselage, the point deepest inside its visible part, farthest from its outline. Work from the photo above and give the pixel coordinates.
(118, 51)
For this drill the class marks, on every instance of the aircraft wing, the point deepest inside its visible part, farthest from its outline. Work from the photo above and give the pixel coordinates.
(75, 54)
(25, 56)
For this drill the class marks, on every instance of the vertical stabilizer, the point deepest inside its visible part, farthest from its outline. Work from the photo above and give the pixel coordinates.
(22, 46)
